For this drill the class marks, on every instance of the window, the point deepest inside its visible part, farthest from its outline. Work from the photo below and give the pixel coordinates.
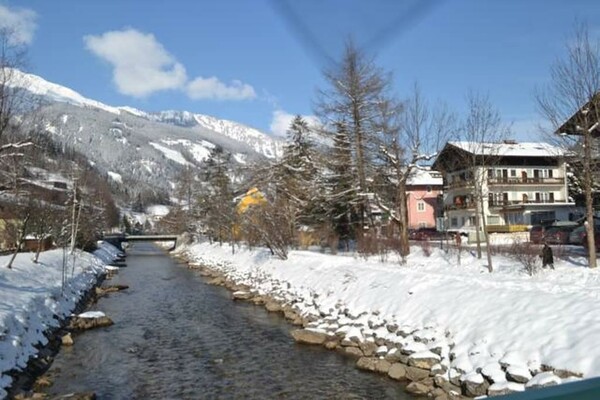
(463, 221)
(454, 222)
(472, 221)
(542, 216)
(428, 188)
(421, 206)
(514, 218)
(513, 173)
(493, 220)
(544, 197)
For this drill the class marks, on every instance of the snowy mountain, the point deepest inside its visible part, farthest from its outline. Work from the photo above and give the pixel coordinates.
(132, 145)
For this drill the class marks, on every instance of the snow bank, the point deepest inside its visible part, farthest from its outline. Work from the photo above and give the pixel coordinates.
(506, 317)
(31, 302)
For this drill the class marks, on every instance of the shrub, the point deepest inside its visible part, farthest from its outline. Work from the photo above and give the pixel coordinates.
(528, 255)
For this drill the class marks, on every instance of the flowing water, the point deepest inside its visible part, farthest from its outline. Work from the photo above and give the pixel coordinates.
(176, 337)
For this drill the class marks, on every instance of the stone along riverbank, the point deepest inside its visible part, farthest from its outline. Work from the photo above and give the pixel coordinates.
(425, 358)
(416, 370)
(174, 336)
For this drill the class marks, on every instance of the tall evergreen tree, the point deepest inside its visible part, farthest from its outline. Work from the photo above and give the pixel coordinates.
(294, 176)
(356, 88)
(216, 205)
(342, 206)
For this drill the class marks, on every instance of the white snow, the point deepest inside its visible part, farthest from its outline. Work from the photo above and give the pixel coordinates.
(92, 314)
(543, 379)
(505, 317)
(170, 153)
(134, 111)
(51, 128)
(148, 165)
(200, 151)
(157, 210)
(424, 177)
(522, 149)
(115, 177)
(40, 86)
(31, 300)
(239, 157)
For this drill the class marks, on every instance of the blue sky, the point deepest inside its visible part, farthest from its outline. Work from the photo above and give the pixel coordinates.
(258, 62)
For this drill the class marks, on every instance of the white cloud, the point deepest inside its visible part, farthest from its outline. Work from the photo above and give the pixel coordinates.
(213, 88)
(141, 64)
(281, 122)
(20, 22)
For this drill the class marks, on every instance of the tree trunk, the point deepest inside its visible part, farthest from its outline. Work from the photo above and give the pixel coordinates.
(403, 221)
(477, 225)
(487, 237)
(589, 209)
(20, 239)
(39, 250)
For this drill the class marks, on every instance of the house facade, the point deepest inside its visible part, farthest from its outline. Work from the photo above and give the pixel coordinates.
(521, 184)
(423, 190)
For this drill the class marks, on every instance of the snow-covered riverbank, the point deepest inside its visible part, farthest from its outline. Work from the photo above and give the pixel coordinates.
(484, 322)
(32, 302)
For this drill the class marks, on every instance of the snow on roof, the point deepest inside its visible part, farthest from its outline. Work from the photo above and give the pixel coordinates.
(425, 176)
(510, 148)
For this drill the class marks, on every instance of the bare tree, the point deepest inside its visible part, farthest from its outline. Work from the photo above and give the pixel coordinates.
(480, 136)
(12, 93)
(571, 104)
(412, 135)
(356, 89)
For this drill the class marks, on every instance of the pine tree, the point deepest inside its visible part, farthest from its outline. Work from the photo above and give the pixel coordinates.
(342, 207)
(294, 176)
(217, 210)
(356, 88)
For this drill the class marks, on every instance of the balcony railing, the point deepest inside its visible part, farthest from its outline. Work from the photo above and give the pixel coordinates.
(450, 207)
(458, 184)
(526, 181)
(505, 203)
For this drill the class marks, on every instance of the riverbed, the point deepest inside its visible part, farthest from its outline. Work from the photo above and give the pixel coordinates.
(177, 337)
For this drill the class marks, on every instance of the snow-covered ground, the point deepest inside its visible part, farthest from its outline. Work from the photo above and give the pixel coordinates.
(31, 301)
(506, 317)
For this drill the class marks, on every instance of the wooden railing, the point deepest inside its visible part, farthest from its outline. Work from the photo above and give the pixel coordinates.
(505, 203)
(526, 181)
(459, 207)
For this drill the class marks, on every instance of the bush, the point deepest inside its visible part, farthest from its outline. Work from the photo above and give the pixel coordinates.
(528, 255)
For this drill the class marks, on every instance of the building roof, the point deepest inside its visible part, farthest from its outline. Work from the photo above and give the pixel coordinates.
(425, 176)
(510, 149)
(573, 125)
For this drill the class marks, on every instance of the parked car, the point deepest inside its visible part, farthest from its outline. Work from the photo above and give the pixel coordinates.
(577, 235)
(425, 234)
(537, 232)
(557, 234)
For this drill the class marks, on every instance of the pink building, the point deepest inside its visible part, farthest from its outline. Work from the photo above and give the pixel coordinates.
(422, 189)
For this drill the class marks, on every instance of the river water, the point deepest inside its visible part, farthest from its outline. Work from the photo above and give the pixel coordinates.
(176, 337)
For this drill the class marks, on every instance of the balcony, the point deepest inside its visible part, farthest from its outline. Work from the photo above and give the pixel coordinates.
(526, 181)
(451, 207)
(508, 203)
(458, 184)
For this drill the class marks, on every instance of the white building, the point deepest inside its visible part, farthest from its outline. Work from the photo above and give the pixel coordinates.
(522, 184)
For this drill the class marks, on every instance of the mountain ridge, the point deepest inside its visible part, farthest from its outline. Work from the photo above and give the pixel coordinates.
(261, 142)
(139, 151)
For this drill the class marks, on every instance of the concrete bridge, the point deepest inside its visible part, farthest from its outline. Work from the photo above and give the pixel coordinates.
(117, 239)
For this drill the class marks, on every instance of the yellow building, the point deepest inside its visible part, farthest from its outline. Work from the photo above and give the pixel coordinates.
(251, 198)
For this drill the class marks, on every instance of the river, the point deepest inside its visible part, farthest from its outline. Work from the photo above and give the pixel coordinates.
(176, 337)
